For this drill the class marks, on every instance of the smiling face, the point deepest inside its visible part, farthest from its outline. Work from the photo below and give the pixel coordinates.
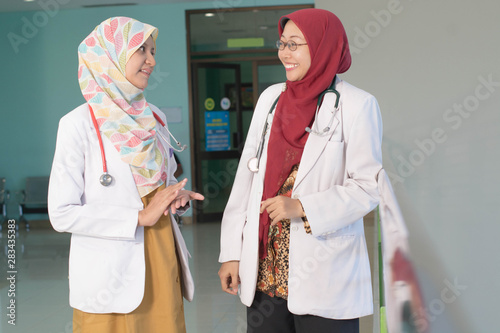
(296, 62)
(141, 64)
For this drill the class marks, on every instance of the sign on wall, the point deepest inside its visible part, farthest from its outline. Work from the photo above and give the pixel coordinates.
(217, 130)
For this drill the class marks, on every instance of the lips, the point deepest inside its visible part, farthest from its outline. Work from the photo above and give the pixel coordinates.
(146, 71)
(289, 67)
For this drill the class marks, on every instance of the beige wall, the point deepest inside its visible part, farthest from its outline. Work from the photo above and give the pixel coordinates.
(429, 63)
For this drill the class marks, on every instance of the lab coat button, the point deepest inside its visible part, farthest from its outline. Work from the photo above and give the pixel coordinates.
(295, 196)
(295, 228)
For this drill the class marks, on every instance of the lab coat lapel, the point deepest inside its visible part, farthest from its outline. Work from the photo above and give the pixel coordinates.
(116, 167)
(315, 144)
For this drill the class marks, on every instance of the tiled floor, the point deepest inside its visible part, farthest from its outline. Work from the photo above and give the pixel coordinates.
(41, 286)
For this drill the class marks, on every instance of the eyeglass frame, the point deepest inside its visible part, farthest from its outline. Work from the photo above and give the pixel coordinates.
(288, 44)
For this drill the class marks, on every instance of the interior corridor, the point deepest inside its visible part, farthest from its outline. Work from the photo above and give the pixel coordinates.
(41, 285)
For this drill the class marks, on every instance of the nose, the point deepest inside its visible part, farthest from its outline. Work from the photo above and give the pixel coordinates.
(285, 53)
(150, 60)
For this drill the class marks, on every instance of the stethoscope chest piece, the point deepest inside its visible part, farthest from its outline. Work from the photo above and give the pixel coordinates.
(253, 164)
(106, 179)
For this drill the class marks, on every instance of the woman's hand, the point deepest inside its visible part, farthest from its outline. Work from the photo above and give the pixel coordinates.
(281, 207)
(229, 276)
(160, 204)
(183, 198)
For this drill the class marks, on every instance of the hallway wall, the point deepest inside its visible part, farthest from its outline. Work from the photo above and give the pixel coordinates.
(39, 76)
(434, 68)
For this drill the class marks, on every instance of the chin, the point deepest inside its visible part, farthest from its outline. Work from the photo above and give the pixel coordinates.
(293, 77)
(142, 86)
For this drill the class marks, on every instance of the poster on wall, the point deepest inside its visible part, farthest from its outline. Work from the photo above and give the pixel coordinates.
(217, 130)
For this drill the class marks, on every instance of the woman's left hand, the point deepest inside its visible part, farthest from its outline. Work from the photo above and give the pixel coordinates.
(281, 207)
(183, 198)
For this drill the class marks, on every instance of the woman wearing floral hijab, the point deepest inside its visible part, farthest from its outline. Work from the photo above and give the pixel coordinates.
(294, 243)
(128, 261)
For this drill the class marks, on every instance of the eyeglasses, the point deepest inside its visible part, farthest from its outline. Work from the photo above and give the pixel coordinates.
(292, 46)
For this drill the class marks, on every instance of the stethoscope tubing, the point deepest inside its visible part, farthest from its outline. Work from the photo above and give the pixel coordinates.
(253, 162)
(99, 138)
(106, 179)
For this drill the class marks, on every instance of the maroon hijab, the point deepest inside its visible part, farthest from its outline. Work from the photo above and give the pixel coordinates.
(329, 50)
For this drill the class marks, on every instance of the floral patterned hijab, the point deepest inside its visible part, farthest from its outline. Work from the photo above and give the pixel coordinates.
(120, 108)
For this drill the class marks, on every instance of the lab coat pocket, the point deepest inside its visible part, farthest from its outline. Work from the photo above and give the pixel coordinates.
(245, 235)
(340, 236)
(333, 152)
(332, 145)
(335, 238)
(244, 227)
(338, 244)
(333, 163)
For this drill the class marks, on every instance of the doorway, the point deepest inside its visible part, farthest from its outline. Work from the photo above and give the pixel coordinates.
(231, 60)
(217, 121)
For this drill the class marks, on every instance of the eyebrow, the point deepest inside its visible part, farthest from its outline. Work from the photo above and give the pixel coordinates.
(293, 36)
(151, 46)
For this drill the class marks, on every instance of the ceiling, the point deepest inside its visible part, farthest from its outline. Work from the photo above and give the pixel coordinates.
(21, 5)
(207, 33)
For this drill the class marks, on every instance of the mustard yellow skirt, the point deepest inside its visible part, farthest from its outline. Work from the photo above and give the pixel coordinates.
(161, 309)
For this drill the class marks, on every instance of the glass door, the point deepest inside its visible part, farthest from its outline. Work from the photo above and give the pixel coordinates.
(267, 73)
(218, 140)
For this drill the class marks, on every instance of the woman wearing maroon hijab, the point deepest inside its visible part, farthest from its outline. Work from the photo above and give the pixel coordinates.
(292, 237)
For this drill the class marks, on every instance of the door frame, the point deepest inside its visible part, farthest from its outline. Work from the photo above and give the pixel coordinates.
(211, 57)
(200, 154)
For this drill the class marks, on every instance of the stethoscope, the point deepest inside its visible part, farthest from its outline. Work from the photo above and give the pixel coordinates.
(106, 179)
(253, 163)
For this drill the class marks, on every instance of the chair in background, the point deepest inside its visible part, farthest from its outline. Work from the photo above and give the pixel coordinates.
(34, 198)
(4, 197)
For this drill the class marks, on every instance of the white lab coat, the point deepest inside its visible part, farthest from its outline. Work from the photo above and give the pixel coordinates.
(394, 238)
(329, 271)
(106, 263)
